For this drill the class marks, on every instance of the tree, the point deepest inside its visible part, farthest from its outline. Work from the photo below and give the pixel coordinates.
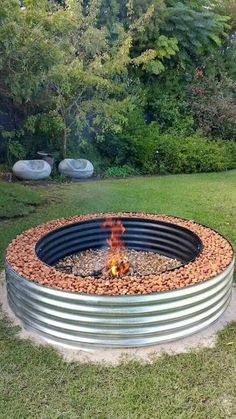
(227, 8)
(60, 61)
(73, 70)
(28, 49)
(198, 28)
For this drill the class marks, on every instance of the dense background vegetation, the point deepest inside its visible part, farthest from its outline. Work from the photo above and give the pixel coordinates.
(135, 86)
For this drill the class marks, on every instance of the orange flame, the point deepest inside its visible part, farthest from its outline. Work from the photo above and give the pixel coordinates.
(117, 263)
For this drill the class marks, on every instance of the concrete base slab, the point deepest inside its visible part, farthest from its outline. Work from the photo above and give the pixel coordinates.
(204, 339)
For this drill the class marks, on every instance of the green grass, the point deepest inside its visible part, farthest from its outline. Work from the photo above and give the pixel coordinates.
(36, 383)
(17, 200)
(207, 198)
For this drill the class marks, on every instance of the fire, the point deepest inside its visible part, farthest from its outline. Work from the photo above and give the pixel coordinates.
(117, 263)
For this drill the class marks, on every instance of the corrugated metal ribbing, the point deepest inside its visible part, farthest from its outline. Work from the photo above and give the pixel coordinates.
(92, 322)
(166, 238)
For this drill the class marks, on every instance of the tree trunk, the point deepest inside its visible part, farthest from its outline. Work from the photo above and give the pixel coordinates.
(65, 142)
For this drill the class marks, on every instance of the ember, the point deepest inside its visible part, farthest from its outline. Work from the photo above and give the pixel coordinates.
(91, 263)
(117, 263)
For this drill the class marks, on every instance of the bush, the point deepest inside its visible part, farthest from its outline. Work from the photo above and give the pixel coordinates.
(213, 106)
(168, 104)
(194, 154)
(56, 176)
(120, 171)
(231, 152)
(134, 147)
(144, 148)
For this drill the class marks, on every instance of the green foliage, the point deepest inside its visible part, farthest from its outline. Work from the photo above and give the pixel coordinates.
(104, 79)
(134, 147)
(230, 147)
(227, 8)
(121, 171)
(3, 168)
(152, 59)
(27, 48)
(197, 27)
(16, 151)
(59, 61)
(58, 177)
(214, 107)
(168, 104)
(194, 154)
(146, 148)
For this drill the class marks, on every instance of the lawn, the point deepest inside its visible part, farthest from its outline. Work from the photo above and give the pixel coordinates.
(36, 383)
(17, 200)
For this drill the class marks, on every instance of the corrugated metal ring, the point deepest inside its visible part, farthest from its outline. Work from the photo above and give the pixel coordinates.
(92, 322)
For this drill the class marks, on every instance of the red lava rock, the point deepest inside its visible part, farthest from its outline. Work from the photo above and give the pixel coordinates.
(215, 256)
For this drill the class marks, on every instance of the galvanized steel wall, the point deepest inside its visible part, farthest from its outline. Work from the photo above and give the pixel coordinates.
(168, 239)
(92, 322)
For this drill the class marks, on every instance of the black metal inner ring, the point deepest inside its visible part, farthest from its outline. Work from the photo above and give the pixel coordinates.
(145, 234)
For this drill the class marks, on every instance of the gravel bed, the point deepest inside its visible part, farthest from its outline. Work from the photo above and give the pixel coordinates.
(216, 255)
(92, 262)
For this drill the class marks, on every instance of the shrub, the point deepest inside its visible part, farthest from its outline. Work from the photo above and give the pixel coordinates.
(120, 171)
(134, 147)
(194, 154)
(59, 177)
(142, 149)
(213, 105)
(231, 153)
(168, 104)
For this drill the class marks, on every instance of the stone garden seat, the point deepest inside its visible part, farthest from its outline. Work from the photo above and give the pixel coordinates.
(76, 168)
(31, 169)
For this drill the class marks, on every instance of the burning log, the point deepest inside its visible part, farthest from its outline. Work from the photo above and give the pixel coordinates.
(117, 263)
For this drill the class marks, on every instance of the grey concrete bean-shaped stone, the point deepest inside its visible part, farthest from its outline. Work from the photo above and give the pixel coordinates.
(32, 169)
(76, 168)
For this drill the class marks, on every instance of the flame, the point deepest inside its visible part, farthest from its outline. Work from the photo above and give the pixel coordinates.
(117, 263)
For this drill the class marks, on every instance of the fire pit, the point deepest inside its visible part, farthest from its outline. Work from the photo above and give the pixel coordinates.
(115, 306)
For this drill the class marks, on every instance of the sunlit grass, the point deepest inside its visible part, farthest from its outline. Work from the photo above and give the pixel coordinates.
(36, 383)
